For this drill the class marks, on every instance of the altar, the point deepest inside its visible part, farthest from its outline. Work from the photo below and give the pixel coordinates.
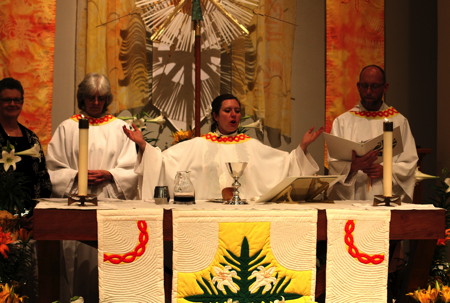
(54, 220)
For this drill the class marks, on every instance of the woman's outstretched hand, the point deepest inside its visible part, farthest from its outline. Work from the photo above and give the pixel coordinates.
(309, 137)
(135, 136)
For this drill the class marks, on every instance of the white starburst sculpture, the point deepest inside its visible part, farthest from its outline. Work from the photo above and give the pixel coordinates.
(185, 24)
(170, 21)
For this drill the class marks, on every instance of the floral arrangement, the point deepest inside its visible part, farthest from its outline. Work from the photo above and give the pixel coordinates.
(437, 294)
(438, 286)
(15, 196)
(15, 200)
(8, 294)
(182, 135)
(15, 250)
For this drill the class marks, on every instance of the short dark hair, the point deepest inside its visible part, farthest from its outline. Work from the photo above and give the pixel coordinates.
(11, 83)
(374, 66)
(92, 84)
(217, 104)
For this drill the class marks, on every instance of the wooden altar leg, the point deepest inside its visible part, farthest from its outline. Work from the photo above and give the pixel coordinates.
(168, 251)
(48, 270)
(168, 273)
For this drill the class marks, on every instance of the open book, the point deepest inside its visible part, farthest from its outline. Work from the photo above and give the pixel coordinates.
(296, 189)
(341, 149)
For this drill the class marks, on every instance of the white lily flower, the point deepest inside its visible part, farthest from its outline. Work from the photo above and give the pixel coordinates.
(34, 152)
(447, 181)
(9, 159)
(264, 277)
(158, 120)
(256, 125)
(280, 301)
(224, 277)
(421, 176)
(140, 123)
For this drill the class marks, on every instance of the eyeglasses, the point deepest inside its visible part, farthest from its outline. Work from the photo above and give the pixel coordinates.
(372, 86)
(99, 98)
(13, 100)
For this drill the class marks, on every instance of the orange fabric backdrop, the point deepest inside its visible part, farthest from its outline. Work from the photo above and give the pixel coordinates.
(27, 32)
(355, 38)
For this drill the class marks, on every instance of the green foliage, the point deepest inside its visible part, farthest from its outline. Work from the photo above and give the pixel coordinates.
(244, 265)
(16, 267)
(440, 271)
(15, 192)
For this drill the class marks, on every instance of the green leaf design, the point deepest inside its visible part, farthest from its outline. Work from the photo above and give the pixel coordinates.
(244, 265)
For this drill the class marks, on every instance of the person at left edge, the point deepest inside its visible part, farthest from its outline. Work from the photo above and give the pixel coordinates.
(22, 138)
(111, 155)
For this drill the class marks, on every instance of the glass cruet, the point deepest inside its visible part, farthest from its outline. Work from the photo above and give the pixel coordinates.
(183, 191)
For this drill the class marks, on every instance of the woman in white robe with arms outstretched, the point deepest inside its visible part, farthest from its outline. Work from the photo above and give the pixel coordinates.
(205, 158)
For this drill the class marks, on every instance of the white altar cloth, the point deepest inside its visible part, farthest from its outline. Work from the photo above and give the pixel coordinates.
(61, 203)
(201, 205)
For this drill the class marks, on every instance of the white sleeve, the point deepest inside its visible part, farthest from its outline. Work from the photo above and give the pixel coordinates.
(125, 179)
(301, 164)
(149, 167)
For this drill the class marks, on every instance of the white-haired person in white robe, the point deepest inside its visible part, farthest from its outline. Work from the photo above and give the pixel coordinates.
(205, 158)
(111, 154)
(364, 177)
(110, 175)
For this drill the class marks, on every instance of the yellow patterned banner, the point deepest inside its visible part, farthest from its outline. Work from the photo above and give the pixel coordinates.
(355, 38)
(241, 256)
(27, 32)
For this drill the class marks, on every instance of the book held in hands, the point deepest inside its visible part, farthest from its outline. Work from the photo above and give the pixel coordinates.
(341, 149)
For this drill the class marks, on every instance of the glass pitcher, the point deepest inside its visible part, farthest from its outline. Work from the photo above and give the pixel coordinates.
(183, 191)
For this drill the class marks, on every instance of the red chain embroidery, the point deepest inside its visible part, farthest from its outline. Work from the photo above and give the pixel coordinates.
(354, 251)
(226, 139)
(389, 112)
(139, 250)
(95, 121)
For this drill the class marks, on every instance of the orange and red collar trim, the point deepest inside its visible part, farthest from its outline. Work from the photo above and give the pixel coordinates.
(213, 137)
(387, 113)
(95, 121)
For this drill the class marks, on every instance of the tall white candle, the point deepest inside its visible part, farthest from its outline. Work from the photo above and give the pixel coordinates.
(83, 126)
(387, 158)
